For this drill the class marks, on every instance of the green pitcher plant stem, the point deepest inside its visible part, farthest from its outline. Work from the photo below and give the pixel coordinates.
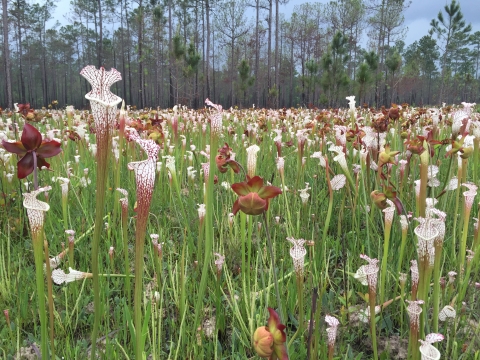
(104, 110)
(36, 213)
(389, 211)
(215, 128)
(145, 172)
(48, 273)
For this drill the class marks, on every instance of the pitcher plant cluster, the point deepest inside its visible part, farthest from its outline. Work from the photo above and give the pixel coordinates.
(283, 234)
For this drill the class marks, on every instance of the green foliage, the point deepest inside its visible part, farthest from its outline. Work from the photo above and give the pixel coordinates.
(246, 80)
(236, 299)
(393, 61)
(178, 47)
(364, 77)
(333, 63)
(192, 60)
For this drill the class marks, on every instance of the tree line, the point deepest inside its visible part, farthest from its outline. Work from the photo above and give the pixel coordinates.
(242, 52)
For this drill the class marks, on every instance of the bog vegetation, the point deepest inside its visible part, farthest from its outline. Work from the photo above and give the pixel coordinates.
(239, 52)
(225, 233)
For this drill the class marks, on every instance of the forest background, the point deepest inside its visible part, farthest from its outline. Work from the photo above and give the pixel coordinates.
(238, 53)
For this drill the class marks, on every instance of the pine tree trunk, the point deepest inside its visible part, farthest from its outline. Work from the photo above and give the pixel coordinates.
(277, 26)
(20, 58)
(6, 51)
(269, 51)
(292, 66)
(207, 57)
(122, 47)
(170, 61)
(257, 54)
(100, 42)
(140, 56)
(130, 94)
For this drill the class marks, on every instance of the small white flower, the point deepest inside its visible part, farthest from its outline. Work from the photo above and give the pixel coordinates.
(351, 104)
(84, 182)
(201, 211)
(338, 182)
(64, 185)
(189, 156)
(370, 271)
(446, 313)
(54, 262)
(219, 261)
(340, 158)
(298, 253)
(389, 211)
(427, 350)
(451, 277)
(280, 163)
(304, 195)
(332, 329)
(361, 276)
(93, 149)
(170, 163)
(403, 222)
(225, 185)
(59, 277)
(432, 173)
(191, 172)
(364, 315)
(252, 159)
(154, 238)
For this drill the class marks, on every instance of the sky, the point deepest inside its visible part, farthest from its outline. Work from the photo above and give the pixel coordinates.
(417, 16)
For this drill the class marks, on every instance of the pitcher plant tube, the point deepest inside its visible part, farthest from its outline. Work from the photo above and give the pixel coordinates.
(145, 179)
(104, 110)
(36, 215)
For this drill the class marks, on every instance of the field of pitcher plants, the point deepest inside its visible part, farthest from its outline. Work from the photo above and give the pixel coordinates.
(216, 233)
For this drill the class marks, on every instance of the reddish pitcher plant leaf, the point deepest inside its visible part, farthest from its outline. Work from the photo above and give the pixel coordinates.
(269, 341)
(432, 143)
(30, 146)
(379, 199)
(279, 336)
(387, 156)
(24, 109)
(263, 342)
(224, 160)
(391, 194)
(253, 196)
